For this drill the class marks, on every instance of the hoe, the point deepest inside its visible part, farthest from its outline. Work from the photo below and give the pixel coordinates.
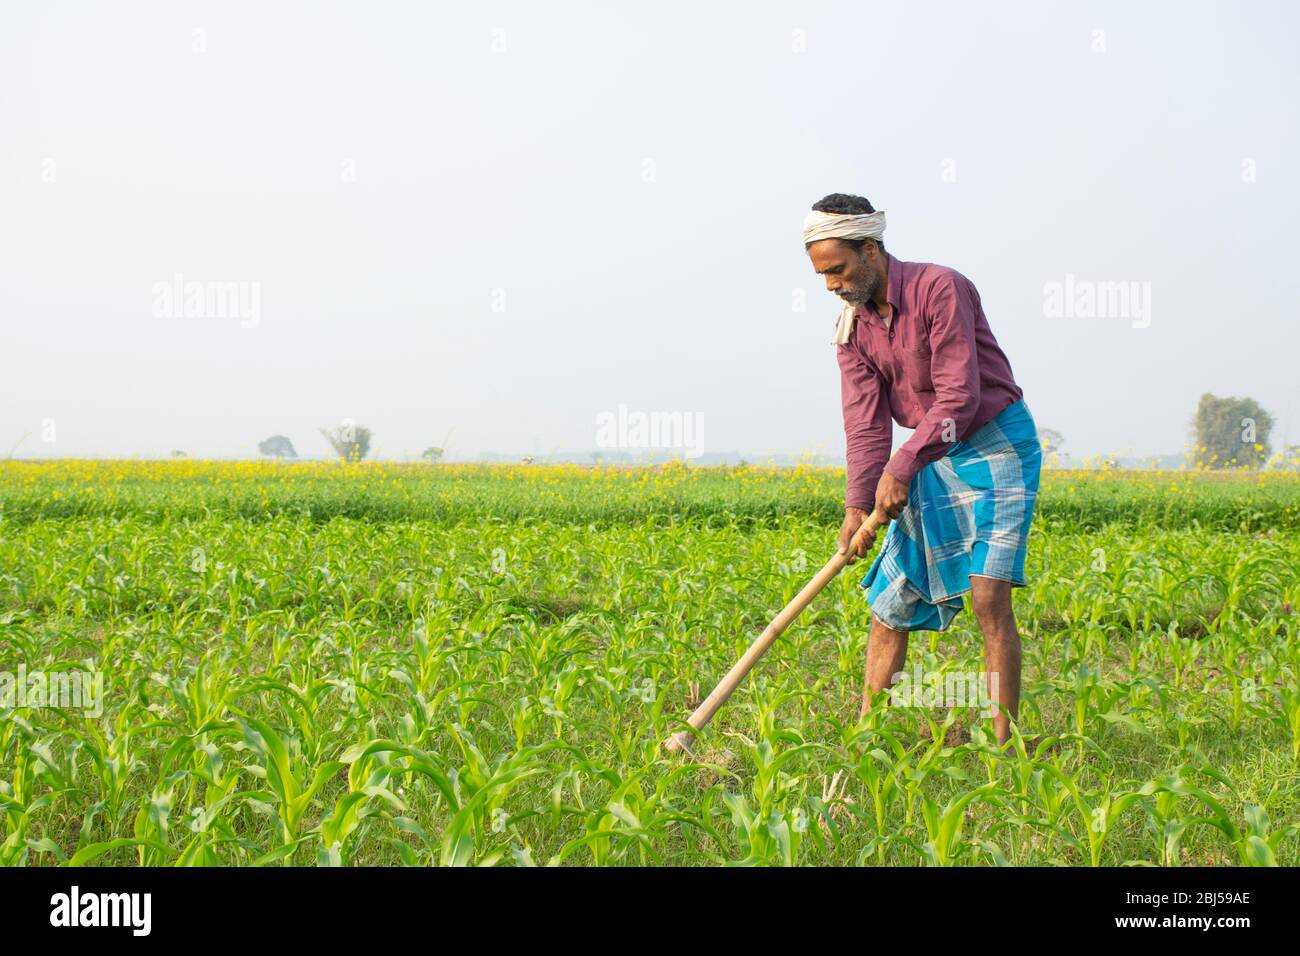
(704, 713)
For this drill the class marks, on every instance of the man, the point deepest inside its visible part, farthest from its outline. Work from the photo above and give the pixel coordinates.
(914, 347)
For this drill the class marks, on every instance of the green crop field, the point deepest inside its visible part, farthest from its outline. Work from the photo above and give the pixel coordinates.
(392, 664)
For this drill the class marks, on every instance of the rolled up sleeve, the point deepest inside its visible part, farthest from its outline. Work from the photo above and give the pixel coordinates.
(955, 372)
(868, 428)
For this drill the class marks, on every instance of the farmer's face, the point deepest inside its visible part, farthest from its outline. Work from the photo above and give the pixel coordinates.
(855, 275)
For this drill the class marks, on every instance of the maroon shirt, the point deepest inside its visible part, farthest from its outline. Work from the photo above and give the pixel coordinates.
(936, 368)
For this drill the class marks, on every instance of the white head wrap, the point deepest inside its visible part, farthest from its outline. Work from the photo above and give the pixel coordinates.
(826, 225)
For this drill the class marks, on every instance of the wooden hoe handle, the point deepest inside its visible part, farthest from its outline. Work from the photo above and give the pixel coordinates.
(704, 713)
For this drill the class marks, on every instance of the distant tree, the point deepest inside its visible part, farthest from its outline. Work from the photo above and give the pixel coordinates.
(528, 460)
(434, 453)
(177, 453)
(277, 446)
(1231, 432)
(1051, 440)
(350, 442)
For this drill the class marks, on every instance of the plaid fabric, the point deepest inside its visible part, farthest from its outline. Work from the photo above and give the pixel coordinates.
(967, 513)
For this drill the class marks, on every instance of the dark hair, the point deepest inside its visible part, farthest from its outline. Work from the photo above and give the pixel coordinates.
(843, 204)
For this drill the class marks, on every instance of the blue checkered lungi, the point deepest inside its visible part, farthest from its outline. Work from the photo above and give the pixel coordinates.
(967, 513)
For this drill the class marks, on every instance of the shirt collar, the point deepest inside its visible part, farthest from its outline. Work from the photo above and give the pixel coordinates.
(895, 291)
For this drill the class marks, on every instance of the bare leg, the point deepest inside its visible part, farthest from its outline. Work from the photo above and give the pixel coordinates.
(886, 654)
(991, 602)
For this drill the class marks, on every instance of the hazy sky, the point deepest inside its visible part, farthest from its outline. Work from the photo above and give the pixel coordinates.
(509, 218)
